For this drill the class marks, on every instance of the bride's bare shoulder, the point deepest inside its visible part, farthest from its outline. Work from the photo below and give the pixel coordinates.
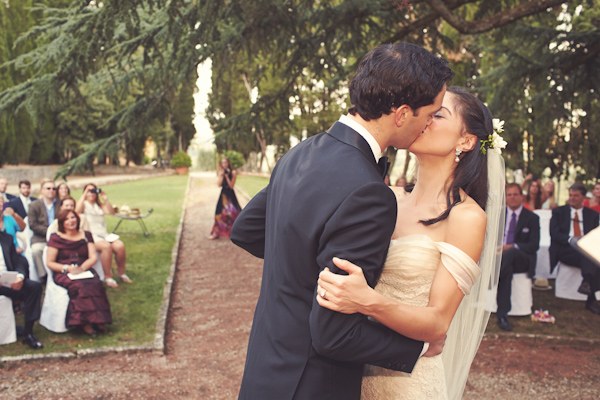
(468, 212)
(466, 228)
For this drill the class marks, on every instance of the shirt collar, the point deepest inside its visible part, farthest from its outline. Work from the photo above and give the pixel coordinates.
(362, 131)
(517, 211)
(46, 204)
(578, 211)
(24, 199)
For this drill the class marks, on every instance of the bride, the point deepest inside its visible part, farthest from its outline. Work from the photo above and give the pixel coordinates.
(456, 205)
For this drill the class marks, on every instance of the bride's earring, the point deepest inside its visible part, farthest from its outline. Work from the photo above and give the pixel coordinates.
(457, 152)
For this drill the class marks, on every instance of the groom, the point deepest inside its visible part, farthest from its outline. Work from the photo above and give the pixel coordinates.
(327, 198)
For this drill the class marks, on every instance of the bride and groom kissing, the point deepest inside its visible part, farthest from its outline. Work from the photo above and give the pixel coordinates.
(329, 230)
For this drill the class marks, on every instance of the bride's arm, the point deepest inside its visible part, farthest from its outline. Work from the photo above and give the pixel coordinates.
(351, 294)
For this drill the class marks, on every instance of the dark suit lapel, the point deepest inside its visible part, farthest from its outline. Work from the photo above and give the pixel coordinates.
(588, 220)
(5, 243)
(566, 219)
(345, 134)
(522, 221)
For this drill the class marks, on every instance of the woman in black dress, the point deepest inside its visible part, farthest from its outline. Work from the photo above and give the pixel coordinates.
(70, 253)
(228, 207)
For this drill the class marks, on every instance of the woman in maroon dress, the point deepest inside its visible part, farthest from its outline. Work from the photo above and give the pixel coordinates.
(70, 253)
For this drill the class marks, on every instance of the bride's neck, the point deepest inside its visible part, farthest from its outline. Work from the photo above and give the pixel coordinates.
(433, 179)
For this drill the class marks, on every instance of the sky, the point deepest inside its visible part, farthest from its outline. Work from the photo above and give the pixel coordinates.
(204, 135)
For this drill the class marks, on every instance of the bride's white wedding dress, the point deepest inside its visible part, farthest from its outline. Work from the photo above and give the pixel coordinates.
(409, 270)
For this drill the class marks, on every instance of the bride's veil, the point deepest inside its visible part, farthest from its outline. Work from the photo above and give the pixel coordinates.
(471, 318)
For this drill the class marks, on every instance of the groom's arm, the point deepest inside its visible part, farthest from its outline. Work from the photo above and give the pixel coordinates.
(248, 231)
(360, 231)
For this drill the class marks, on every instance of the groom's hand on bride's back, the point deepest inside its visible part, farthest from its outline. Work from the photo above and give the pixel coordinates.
(435, 348)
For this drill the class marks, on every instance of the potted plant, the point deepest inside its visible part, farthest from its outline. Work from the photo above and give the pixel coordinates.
(182, 162)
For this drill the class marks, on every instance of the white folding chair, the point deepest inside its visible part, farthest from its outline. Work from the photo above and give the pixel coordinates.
(56, 300)
(521, 298)
(33, 274)
(8, 330)
(568, 280)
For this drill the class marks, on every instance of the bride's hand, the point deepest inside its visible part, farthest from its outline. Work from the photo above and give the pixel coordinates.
(347, 294)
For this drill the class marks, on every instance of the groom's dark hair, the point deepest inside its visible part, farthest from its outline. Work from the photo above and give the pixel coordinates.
(392, 75)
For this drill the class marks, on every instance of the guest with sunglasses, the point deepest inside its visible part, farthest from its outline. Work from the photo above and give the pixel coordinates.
(41, 214)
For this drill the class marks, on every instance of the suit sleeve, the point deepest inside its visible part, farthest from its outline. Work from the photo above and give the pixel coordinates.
(34, 221)
(248, 231)
(533, 244)
(19, 262)
(360, 231)
(16, 205)
(555, 233)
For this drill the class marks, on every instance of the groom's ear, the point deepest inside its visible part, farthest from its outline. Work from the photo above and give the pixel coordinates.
(400, 114)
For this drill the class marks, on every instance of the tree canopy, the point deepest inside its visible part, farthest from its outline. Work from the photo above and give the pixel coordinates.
(281, 68)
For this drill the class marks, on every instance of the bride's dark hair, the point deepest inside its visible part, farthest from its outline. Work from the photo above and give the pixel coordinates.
(471, 173)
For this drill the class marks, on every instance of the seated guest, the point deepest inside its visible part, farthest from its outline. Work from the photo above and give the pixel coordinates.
(41, 214)
(3, 186)
(594, 202)
(27, 291)
(548, 199)
(21, 203)
(71, 251)
(533, 199)
(401, 181)
(94, 209)
(12, 223)
(68, 204)
(570, 221)
(62, 191)
(519, 253)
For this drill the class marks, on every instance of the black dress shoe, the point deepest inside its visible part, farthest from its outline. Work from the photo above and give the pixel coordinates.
(32, 342)
(504, 324)
(585, 289)
(593, 306)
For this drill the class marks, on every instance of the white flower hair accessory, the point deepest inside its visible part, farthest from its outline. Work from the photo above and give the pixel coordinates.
(494, 141)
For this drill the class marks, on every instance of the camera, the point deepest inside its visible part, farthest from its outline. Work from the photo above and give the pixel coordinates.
(97, 191)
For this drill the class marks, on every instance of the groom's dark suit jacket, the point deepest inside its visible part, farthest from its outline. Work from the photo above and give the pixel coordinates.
(326, 198)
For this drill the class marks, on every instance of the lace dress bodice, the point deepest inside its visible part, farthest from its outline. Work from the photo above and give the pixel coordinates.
(409, 270)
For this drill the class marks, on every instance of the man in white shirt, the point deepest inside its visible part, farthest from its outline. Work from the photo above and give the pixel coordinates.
(570, 221)
(21, 203)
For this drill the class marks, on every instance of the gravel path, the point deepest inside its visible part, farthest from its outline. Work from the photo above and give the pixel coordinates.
(213, 300)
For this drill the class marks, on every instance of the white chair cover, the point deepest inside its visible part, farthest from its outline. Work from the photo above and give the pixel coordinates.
(33, 274)
(542, 266)
(56, 300)
(8, 332)
(521, 298)
(568, 280)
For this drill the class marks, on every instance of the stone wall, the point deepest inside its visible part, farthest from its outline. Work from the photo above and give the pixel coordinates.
(36, 173)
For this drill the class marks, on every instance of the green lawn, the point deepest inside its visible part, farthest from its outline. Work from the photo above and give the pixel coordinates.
(134, 306)
(251, 185)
